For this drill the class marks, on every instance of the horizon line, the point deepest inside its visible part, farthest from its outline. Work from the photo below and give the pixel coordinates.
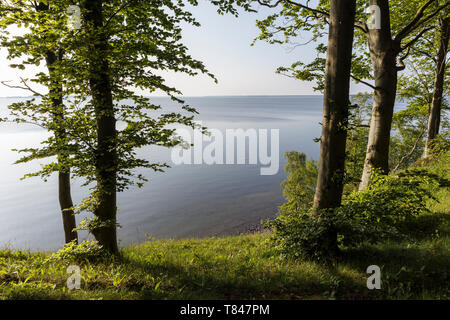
(212, 96)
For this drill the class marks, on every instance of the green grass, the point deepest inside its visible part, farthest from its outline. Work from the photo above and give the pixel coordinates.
(245, 267)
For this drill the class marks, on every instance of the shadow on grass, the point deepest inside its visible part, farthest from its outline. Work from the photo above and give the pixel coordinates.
(417, 269)
(235, 269)
(201, 282)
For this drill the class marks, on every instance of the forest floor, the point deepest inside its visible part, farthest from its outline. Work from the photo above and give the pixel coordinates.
(245, 267)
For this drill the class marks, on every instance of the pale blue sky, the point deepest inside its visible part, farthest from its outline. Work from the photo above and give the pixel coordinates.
(223, 44)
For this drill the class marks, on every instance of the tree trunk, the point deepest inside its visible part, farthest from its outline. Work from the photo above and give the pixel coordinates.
(65, 201)
(434, 118)
(335, 106)
(64, 193)
(383, 53)
(106, 153)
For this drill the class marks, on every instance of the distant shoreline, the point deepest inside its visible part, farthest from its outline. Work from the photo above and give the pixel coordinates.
(212, 96)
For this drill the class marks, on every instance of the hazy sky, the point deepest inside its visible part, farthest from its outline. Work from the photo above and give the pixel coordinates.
(223, 44)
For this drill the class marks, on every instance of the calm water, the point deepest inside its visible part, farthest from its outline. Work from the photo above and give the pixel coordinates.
(186, 200)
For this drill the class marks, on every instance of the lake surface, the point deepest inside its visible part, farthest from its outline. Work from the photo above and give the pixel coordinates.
(185, 201)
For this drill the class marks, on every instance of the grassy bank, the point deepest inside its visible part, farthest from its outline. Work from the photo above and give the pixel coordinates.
(244, 267)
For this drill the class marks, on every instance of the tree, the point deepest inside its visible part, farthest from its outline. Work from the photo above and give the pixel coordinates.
(340, 16)
(358, 131)
(384, 52)
(336, 87)
(38, 45)
(300, 185)
(123, 44)
(418, 87)
(336, 105)
(106, 160)
(415, 88)
(440, 73)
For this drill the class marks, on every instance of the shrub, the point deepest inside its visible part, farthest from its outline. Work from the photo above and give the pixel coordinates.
(88, 250)
(300, 185)
(372, 215)
(440, 145)
(300, 235)
(379, 211)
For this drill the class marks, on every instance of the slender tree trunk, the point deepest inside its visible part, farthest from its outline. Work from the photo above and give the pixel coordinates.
(383, 53)
(64, 193)
(65, 201)
(434, 118)
(106, 157)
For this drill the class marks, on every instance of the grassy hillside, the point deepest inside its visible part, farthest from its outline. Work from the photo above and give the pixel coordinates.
(243, 267)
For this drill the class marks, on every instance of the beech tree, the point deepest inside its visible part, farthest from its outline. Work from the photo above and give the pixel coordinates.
(418, 88)
(440, 60)
(106, 157)
(93, 73)
(336, 105)
(386, 45)
(41, 44)
(339, 16)
(122, 44)
(336, 86)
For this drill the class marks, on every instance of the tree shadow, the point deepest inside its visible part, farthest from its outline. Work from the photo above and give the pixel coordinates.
(204, 283)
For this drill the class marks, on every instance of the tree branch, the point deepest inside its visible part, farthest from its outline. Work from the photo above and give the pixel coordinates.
(25, 87)
(401, 62)
(409, 154)
(24, 121)
(360, 25)
(416, 22)
(417, 37)
(425, 54)
(363, 82)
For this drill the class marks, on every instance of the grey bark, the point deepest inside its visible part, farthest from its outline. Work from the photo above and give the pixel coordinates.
(434, 118)
(64, 192)
(383, 53)
(335, 106)
(66, 204)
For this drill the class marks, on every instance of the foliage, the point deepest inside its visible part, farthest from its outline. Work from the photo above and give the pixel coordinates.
(378, 213)
(292, 21)
(240, 267)
(303, 236)
(440, 145)
(416, 89)
(88, 250)
(143, 38)
(357, 136)
(134, 56)
(250, 267)
(300, 185)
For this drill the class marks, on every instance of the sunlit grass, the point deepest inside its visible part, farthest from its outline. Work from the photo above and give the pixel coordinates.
(245, 267)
